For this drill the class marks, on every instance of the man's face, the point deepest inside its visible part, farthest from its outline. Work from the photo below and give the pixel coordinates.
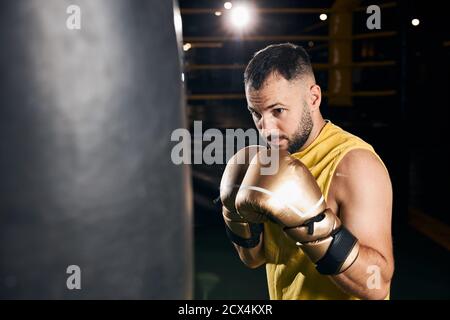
(281, 113)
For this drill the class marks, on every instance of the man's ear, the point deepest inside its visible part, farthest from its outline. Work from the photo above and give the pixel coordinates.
(315, 97)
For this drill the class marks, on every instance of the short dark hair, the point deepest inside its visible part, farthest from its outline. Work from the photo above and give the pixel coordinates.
(289, 60)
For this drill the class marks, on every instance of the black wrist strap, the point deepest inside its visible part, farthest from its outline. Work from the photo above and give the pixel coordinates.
(253, 241)
(340, 247)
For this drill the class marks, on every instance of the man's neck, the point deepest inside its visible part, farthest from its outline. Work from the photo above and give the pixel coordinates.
(317, 128)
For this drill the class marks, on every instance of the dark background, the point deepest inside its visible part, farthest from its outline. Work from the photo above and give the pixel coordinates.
(86, 118)
(404, 74)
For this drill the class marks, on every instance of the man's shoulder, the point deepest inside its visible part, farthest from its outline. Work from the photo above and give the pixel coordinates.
(360, 168)
(359, 160)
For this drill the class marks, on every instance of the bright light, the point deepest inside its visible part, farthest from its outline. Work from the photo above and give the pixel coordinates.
(187, 46)
(178, 22)
(323, 17)
(182, 76)
(240, 16)
(415, 22)
(218, 13)
(228, 5)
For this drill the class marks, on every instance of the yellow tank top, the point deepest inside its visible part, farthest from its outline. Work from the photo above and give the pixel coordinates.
(290, 274)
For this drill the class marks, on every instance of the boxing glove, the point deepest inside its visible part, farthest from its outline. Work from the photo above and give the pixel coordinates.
(292, 198)
(238, 229)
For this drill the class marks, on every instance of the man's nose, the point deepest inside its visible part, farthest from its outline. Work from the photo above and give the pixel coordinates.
(267, 123)
(268, 127)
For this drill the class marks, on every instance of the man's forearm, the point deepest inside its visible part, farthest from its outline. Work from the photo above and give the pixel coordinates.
(369, 277)
(252, 257)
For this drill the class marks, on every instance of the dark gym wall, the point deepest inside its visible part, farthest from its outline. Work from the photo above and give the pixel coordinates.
(85, 171)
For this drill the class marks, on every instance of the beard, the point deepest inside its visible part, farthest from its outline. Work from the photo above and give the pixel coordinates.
(298, 139)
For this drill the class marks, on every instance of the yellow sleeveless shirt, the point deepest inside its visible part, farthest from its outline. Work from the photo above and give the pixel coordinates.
(290, 274)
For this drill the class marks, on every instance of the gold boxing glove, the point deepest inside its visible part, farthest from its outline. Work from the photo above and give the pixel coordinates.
(292, 198)
(238, 229)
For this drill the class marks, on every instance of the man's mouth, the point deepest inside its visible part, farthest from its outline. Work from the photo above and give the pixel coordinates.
(276, 141)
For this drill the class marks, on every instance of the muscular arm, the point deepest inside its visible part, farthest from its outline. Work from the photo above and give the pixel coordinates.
(363, 193)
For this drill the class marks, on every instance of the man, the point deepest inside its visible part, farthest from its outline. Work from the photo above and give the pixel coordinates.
(355, 258)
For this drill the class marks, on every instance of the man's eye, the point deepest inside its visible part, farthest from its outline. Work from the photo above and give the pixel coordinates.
(279, 110)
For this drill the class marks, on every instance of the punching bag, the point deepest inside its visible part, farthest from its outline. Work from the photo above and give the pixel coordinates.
(91, 206)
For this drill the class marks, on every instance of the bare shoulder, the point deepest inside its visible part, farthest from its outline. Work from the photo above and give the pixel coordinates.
(360, 160)
(360, 171)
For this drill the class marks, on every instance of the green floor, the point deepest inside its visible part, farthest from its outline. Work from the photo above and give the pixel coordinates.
(219, 274)
(422, 268)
